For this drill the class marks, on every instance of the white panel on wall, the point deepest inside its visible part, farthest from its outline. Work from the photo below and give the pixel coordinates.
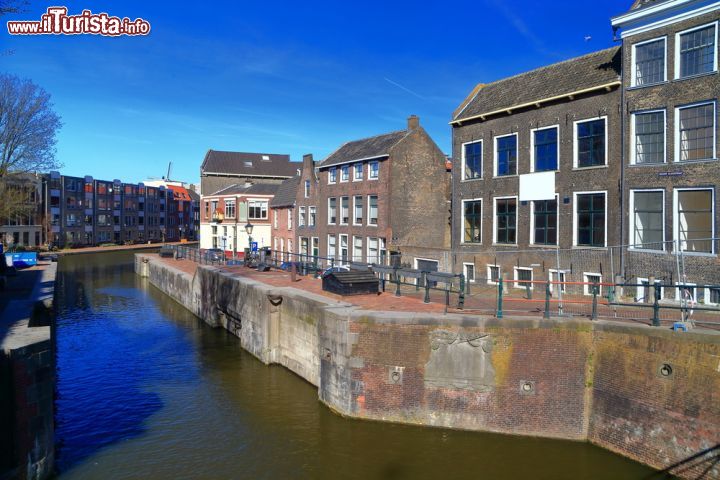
(537, 186)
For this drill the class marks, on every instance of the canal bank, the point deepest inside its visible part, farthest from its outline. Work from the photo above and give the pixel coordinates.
(27, 372)
(648, 394)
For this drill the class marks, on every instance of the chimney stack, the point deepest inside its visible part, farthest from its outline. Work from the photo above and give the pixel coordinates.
(413, 122)
(308, 161)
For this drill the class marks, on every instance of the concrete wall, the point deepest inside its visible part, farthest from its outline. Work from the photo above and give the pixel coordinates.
(571, 379)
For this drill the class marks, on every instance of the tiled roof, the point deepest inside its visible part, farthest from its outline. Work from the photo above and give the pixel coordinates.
(594, 69)
(250, 164)
(180, 193)
(372, 147)
(255, 189)
(286, 193)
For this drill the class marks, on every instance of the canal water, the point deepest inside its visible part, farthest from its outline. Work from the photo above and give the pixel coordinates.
(146, 390)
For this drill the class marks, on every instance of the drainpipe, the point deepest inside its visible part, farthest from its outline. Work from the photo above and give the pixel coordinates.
(622, 158)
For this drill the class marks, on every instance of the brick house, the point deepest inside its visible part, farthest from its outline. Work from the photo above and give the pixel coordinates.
(221, 169)
(226, 212)
(378, 196)
(307, 205)
(537, 168)
(671, 172)
(282, 211)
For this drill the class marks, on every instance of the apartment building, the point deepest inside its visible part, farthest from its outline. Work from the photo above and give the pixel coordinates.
(26, 228)
(222, 169)
(282, 210)
(671, 172)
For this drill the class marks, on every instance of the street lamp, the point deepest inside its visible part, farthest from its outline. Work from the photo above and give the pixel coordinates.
(249, 228)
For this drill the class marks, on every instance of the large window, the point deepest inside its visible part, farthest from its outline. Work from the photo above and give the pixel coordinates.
(373, 170)
(358, 209)
(505, 220)
(332, 175)
(344, 210)
(332, 247)
(345, 173)
(344, 248)
(696, 132)
(312, 216)
(357, 172)
(590, 219)
(506, 155)
(649, 137)
(647, 219)
(332, 211)
(229, 208)
(590, 148)
(649, 63)
(307, 188)
(472, 221)
(301, 217)
(289, 218)
(697, 51)
(545, 215)
(357, 249)
(257, 209)
(545, 149)
(472, 160)
(694, 220)
(372, 210)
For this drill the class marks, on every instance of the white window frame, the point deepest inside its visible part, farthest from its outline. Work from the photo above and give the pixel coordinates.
(275, 219)
(370, 175)
(354, 248)
(575, 142)
(633, 70)
(306, 188)
(340, 210)
(676, 221)
(339, 248)
(335, 247)
(356, 170)
(557, 224)
(354, 206)
(652, 300)
(482, 161)
(367, 249)
(517, 211)
(532, 147)
(489, 273)
(686, 284)
(290, 218)
(462, 220)
(336, 211)
(586, 286)
(558, 273)
(368, 210)
(331, 171)
(312, 215)
(471, 264)
(516, 278)
(342, 168)
(495, 155)
(706, 297)
(677, 130)
(677, 50)
(575, 212)
(261, 200)
(633, 143)
(631, 219)
(302, 219)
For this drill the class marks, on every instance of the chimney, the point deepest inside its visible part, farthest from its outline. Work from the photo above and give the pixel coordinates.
(308, 161)
(413, 122)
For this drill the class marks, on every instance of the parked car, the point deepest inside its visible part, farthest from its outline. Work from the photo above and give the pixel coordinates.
(336, 268)
(215, 254)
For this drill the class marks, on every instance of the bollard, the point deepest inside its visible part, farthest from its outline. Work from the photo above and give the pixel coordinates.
(499, 313)
(427, 289)
(547, 300)
(397, 284)
(595, 290)
(656, 304)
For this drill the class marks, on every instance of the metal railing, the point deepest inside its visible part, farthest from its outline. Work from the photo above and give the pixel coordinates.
(203, 257)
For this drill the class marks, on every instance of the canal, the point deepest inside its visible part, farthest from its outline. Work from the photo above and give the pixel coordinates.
(146, 390)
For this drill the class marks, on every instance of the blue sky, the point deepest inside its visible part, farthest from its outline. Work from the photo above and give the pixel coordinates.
(276, 77)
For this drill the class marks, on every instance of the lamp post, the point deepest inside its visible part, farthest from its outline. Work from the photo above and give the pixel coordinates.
(248, 230)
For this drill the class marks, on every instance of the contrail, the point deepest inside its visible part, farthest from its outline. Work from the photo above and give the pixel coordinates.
(404, 88)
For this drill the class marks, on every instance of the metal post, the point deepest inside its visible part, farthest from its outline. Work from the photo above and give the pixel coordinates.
(656, 304)
(499, 312)
(461, 293)
(560, 285)
(427, 289)
(397, 283)
(547, 300)
(595, 290)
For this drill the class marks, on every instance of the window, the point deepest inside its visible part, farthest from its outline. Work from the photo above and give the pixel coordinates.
(304, 246)
(373, 253)
(545, 149)
(697, 51)
(344, 210)
(694, 220)
(312, 214)
(332, 211)
(357, 249)
(647, 220)
(506, 155)
(472, 160)
(590, 279)
(383, 251)
(257, 209)
(590, 219)
(649, 137)
(469, 271)
(344, 248)
(357, 172)
(523, 277)
(545, 218)
(712, 295)
(372, 210)
(373, 170)
(493, 274)
(275, 219)
(505, 220)
(332, 175)
(344, 173)
(649, 63)
(301, 217)
(557, 276)
(332, 247)
(590, 143)
(230, 209)
(358, 209)
(289, 219)
(695, 137)
(315, 247)
(472, 221)
(644, 294)
(307, 188)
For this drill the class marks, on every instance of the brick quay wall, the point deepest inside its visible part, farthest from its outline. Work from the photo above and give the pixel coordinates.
(646, 393)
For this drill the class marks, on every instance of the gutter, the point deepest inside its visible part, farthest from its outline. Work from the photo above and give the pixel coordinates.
(537, 103)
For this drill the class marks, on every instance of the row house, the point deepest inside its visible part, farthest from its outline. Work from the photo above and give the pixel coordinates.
(599, 168)
(226, 213)
(24, 228)
(376, 198)
(282, 210)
